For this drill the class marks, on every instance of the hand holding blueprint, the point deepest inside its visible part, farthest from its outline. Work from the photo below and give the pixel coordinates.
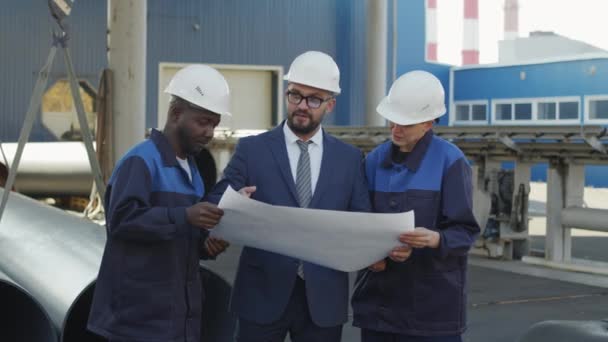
(345, 241)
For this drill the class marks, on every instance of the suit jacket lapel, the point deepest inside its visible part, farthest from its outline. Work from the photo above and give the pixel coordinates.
(328, 165)
(279, 151)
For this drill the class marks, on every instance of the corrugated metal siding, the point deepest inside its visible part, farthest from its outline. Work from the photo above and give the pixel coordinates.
(351, 56)
(411, 36)
(411, 45)
(261, 32)
(25, 41)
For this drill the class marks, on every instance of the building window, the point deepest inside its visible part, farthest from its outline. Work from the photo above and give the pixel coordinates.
(523, 111)
(503, 111)
(598, 109)
(58, 109)
(472, 112)
(547, 111)
(568, 110)
(479, 112)
(564, 109)
(462, 112)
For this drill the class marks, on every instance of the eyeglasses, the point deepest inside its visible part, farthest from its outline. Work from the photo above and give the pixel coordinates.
(312, 101)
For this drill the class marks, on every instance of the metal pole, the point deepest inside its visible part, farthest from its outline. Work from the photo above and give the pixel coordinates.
(26, 129)
(376, 59)
(554, 240)
(84, 126)
(586, 218)
(574, 188)
(127, 60)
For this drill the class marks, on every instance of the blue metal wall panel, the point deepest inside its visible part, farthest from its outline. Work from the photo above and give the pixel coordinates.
(258, 32)
(261, 32)
(351, 57)
(568, 78)
(25, 41)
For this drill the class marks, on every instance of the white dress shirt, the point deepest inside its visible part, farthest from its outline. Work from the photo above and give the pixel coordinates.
(315, 151)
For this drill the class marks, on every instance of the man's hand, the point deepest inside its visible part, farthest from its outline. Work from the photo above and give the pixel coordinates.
(378, 266)
(421, 237)
(400, 254)
(215, 246)
(247, 190)
(204, 215)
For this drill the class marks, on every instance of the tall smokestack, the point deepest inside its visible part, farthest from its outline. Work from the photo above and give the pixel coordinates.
(470, 42)
(511, 19)
(431, 30)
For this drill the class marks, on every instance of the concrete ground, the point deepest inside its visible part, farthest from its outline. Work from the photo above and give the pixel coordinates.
(505, 298)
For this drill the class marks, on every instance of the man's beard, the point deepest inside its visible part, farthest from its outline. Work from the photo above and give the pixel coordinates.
(311, 127)
(186, 142)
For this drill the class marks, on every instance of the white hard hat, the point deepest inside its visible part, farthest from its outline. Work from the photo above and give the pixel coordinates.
(415, 97)
(202, 86)
(315, 69)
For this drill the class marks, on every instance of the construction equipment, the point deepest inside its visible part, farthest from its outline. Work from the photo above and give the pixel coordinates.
(60, 10)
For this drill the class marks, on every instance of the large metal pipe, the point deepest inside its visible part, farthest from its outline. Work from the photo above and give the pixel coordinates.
(52, 168)
(511, 22)
(127, 29)
(55, 256)
(21, 316)
(62, 168)
(377, 33)
(585, 218)
(431, 30)
(470, 38)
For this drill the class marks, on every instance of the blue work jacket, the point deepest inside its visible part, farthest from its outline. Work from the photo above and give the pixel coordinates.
(425, 295)
(149, 287)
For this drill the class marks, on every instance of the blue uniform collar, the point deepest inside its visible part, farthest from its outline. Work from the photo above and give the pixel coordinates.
(414, 158)
(164, 148)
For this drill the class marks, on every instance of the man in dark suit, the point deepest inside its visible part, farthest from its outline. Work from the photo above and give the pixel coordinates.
(296, 164)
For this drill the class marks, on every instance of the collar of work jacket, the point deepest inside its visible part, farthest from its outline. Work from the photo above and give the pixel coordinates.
(165, 149)
(414, 158)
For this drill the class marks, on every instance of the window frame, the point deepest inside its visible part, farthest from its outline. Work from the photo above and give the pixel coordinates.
(470, 121)
(534, 118)
(588, 99)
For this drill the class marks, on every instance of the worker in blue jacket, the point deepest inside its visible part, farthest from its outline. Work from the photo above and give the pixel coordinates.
(149, 287)
(419, 295)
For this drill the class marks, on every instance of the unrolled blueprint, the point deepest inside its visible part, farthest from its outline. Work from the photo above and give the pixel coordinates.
(345, 241)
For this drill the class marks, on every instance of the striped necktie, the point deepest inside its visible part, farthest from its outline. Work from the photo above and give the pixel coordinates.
(303, 185)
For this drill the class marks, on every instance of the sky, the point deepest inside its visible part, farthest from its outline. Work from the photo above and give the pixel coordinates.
(583, 20)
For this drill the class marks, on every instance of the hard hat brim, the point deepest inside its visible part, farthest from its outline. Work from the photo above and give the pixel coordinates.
(208, 107)
(310, 83)
(386, 110)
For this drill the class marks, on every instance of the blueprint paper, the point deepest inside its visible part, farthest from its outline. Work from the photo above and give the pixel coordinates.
(345, 241)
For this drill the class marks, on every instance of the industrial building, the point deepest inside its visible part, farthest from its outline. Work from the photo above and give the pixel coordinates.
(543, 79)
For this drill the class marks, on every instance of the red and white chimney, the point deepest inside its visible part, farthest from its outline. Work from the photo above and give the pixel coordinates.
(511, 19)
(470, 41)
(431, 30)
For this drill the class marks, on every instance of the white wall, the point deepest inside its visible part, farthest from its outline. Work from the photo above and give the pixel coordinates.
(251, 94)
(541, 46)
